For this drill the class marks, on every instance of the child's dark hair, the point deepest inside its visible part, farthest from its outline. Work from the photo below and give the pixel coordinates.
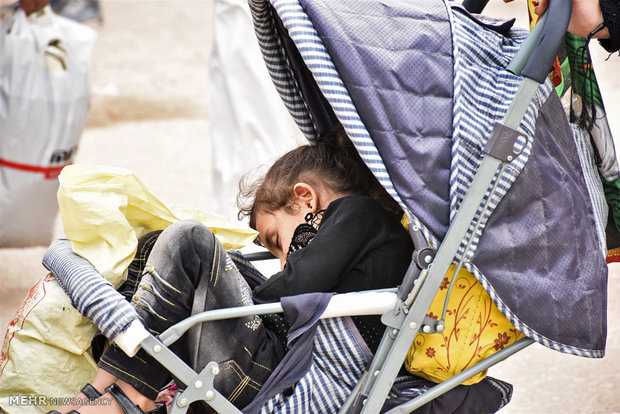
(332, 162)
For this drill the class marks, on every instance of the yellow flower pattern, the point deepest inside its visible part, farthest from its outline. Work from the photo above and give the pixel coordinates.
(474, 330)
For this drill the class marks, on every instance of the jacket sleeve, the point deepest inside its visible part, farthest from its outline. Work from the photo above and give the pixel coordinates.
(350, 228)
(91, 294)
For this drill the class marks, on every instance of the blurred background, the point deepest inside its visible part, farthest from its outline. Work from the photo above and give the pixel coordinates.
(150, 114)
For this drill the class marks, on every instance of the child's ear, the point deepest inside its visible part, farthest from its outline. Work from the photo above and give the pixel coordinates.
(306, 196)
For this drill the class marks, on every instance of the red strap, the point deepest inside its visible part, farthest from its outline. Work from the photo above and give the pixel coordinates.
(48, 172)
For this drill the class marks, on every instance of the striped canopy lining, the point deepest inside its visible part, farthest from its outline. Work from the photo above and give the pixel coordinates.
(320, 64)
(469, 128)
(338, 365)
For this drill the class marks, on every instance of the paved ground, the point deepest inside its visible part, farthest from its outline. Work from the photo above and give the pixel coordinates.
(149, 107)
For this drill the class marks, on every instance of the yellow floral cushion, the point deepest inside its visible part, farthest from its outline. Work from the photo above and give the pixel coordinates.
(474, 330)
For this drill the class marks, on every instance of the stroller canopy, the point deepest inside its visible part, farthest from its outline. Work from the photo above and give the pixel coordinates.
(418, 86)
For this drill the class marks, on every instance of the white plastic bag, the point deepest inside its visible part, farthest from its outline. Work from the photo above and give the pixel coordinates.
(44, 106)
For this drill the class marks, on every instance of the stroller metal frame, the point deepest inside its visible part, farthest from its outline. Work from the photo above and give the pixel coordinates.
(404, 309)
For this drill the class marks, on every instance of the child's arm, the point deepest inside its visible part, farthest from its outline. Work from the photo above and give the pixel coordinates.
(92, 295)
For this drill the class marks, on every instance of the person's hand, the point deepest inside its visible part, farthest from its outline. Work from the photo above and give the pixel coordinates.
(31, 6)
(585, 17)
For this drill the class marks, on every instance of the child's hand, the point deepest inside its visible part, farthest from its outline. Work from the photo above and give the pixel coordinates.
(585, 17)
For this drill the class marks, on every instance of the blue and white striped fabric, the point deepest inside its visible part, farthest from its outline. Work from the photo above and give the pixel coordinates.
(593, 181)
(304, 35)
(503, 388)
(480, 60)
(338, 364)
(279, 68)
(90, 293)
(339, 361)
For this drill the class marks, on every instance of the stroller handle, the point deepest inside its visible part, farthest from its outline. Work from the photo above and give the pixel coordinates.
(546, 48)
(475, 6)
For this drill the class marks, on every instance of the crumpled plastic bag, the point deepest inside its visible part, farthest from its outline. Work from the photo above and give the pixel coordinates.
(104, 210)
(45, 354)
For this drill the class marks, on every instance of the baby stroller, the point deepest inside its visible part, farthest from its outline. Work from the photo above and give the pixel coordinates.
(480, 158)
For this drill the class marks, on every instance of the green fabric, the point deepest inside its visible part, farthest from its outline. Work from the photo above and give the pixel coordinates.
(612, 194)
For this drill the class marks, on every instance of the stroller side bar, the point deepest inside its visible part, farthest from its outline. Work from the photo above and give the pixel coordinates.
(172, 334)
(519, 61)
(199, 387)
(373, 302)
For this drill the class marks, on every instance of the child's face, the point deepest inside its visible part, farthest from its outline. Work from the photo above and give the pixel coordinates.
(276, 229)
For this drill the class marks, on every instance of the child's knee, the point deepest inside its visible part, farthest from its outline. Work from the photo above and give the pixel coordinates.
(185, 240)
(186, 232)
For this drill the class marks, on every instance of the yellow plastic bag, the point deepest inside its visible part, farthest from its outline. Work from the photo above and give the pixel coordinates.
(45, 354)
(474, 330)
(104, 210)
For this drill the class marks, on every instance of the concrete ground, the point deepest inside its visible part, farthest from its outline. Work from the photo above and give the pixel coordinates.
(150, 106)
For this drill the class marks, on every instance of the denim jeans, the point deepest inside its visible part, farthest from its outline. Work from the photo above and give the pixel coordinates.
(185, 258)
